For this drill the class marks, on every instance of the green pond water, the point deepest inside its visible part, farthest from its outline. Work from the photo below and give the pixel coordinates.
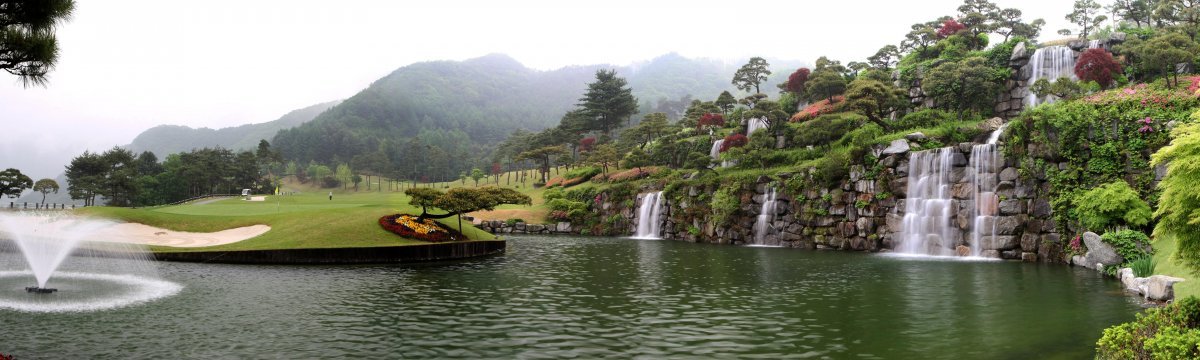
(564, 297)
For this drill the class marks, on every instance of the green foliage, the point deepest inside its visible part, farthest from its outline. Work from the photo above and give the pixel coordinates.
(1130, 244)
(964, 86)
(582, 194)
(28, 48)
(553, 193)
(1168, 332)
(1112, 204)
(584, 172)
(1143, 266)
(1062, 88)
(514, 221)
(825, 128)
(824, 85)
(924, 118)
(566, 205)
(876, 100)
(723, 205)
(752, 74)
(13, 183)
(1179, 205)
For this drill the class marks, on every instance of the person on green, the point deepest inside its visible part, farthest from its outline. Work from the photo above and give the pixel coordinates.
(331, 196)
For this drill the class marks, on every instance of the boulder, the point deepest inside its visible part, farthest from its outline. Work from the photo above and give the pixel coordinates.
(1161, 287)
(1019, 53)
(1099, 252)
(563, 227)
(915, 136)
(999, 242)
(1028, 257)
(535, 228)
(1012, 207)
(1008, 174)
(520, 226)
(898, 146)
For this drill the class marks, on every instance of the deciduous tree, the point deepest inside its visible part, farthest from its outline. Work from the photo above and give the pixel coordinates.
(796, 80)
(1097, 65)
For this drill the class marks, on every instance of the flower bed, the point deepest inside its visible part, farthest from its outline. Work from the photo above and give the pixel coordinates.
(633, 174)
(427, 230)
(817, 109)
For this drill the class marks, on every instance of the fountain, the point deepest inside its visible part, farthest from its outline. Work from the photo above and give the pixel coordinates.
(1049, 63)
(926, 227)
(115, 275)
(762, 224)
(650, 216)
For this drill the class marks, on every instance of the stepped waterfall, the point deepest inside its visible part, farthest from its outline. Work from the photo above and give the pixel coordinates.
(649, 218)
(928, 226)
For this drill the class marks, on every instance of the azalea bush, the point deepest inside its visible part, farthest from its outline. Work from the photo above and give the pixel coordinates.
(412, 227)
(633, 174)
(819, 108)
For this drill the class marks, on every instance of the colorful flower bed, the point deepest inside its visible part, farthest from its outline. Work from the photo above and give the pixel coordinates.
(632, 174)
(817, 109)
(426, 230)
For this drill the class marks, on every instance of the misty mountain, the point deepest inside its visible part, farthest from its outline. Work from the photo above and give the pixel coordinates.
(168, 139)
(460, 109)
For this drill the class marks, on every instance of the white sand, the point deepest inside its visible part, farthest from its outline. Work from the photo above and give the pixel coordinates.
(258, 198)
(132, 233)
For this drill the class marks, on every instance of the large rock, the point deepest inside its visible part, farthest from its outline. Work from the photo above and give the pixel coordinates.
(1019, 53)
(917, 136)
(1099, 253)
(898, 146)
(563, 227)
(1161, 287)
(999, 242)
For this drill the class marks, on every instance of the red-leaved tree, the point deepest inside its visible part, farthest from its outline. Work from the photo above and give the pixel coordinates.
(735, 140)
(949, 27)
(1097, 65)
(796, 81)
(587, 143)
(711, 119)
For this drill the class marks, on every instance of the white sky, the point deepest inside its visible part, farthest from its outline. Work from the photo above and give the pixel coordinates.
(127, 65)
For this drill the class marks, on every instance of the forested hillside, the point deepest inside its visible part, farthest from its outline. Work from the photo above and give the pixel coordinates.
(450, 114)
(163, 140)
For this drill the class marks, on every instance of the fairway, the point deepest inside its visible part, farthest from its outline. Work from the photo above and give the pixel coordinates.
(308, 220)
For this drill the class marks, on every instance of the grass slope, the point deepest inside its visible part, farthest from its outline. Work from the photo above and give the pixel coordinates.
(308, 220)
(1164, 254)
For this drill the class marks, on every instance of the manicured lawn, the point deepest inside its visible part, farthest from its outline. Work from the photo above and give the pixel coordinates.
(1164, 251)
(309, 220)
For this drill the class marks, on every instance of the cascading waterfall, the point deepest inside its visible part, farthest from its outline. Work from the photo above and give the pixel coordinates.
(650, 216)
(1049, 63)
(985, 166)
(926, 227)
(1094, 44)
(766, 215)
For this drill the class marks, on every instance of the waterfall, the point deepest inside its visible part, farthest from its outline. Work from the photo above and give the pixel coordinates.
(1094, 44)
(985, 169)
(755, 124)
(715, 151)
(649, 216)
(762, 225)
(929, 206)
(1049, 63)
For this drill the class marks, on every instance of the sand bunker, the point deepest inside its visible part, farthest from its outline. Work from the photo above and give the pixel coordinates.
(258, 198)
(132, 233)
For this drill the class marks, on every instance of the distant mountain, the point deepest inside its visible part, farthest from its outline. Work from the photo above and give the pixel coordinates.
(462, 108)
(168, 139)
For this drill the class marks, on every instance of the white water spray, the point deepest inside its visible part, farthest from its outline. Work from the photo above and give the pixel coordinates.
(650, 216)
(766, 215)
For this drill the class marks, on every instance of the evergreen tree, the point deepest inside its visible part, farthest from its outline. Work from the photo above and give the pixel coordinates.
(752, 74)
(45, 186)
(13, 183)
(1086, 15)
(28, 47)
(608, 102)
(725, 102)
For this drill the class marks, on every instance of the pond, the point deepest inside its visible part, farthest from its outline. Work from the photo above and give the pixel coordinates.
(563, 297)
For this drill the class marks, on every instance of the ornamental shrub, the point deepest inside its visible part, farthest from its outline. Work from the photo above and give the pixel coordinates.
(1111, 204)
(1160, 333)
(1097, 65)
(1130, 244)
(724, 204)
(733, 141)
(796, 81)
(711, 120)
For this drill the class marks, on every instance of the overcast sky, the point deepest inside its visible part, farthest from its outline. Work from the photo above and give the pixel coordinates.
(127, 65)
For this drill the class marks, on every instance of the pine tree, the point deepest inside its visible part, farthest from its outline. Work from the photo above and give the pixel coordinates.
(752, 74)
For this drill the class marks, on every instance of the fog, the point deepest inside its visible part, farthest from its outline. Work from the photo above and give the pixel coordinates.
(127, 65)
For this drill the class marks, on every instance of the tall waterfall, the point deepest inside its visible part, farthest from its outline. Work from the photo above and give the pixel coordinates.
(766, 215)
(985, 168)
(1049, 63)
(650, 216)
(929, 206)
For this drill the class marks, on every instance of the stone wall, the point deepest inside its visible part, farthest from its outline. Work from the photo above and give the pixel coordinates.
(865, 212)
(503, 227)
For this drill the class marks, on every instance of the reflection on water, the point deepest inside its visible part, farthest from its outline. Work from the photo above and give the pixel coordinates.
(599, 298)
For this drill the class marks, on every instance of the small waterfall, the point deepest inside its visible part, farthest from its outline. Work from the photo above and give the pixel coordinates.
(755, 124)
(929, 206)
(1049, 63)
(985, 166)
(715, 151)
(1094, 44)
(650, 216)
(766, 215)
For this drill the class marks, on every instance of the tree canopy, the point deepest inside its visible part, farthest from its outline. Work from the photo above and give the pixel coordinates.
(13, 182)
(28, 46)
(608, 102)
(752, 74)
